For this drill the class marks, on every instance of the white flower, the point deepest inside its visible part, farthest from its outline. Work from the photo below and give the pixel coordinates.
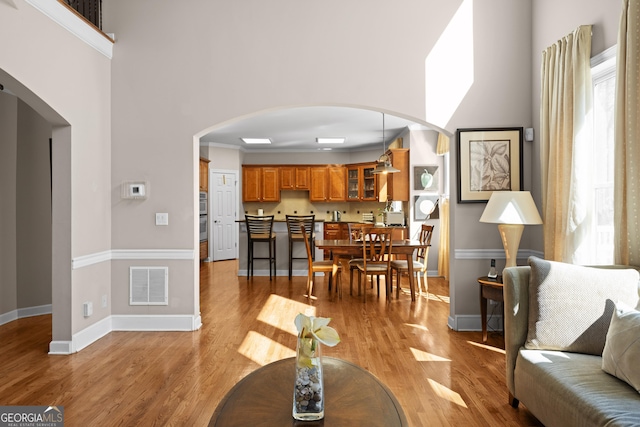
(316, 327)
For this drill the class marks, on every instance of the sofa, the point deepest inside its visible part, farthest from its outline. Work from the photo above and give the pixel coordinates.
(572, 343)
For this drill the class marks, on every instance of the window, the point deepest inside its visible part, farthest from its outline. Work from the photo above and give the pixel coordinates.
(603, 69)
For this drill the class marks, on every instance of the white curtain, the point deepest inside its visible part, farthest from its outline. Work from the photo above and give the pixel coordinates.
(627, 143)
(566, 150)
(442, 149)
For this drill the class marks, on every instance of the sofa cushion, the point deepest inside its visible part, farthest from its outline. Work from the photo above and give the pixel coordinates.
(571, 389)
(570, 306)
(621, 353)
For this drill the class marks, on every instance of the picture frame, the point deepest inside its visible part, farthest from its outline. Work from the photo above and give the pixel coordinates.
(489, 160)
(426, 178)
(426, 206)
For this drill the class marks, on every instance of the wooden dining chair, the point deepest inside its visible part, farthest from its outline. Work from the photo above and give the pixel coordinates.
(376, 258)
(356, 231)
(294, 222)
(319, 267)
(260, 230)
(419, 264)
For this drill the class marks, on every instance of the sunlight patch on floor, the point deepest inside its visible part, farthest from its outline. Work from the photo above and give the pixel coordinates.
(446, 393)
(281, 312)
(263, 350)
(423, 356)
(487, 347)
(421, 327)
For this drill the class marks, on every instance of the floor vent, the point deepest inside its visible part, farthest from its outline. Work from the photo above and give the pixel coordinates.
(148, 285)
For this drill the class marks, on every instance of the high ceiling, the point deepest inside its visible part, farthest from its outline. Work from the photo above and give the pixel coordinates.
(296, 129)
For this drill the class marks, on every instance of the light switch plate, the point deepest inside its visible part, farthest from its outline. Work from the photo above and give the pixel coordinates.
(162, 218)
(528, 134)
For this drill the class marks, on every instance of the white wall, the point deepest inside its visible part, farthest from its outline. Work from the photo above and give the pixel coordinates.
(181, 70)
(33, 206)
(68, 83)
(8, 172)
(178, 70)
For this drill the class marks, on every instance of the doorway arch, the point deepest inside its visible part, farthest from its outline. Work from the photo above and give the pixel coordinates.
(200, 139)
(61, 239)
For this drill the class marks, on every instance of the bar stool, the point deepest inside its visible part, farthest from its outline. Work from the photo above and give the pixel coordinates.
(294, 224)
(260, 230)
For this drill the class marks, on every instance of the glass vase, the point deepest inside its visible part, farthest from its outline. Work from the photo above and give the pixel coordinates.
(308, 388)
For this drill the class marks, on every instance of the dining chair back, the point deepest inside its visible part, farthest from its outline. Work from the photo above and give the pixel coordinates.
(419, 264)
(260, 230)
(319, 266)
(376, 257)
(294, 224)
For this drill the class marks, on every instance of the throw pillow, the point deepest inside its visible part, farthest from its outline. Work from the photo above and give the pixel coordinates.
(570, 306)
(622, 350)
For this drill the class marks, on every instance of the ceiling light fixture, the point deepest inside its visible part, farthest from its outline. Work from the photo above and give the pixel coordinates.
(256, 140)
(384, 165)
(331, 140)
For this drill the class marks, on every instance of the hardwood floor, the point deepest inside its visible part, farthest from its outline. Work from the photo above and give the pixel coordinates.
(440, 377)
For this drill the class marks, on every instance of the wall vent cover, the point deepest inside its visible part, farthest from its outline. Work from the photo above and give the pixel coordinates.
(148, 285)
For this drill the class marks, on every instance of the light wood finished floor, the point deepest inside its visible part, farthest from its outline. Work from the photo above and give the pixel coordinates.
(440, 377)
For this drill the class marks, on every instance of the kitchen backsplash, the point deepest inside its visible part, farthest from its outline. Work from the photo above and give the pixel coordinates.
(297, 203)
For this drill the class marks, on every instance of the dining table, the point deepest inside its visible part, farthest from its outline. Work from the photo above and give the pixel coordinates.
(347, 248)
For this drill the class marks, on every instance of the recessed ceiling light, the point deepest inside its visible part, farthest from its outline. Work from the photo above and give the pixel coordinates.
(256, 140)
(330, 140)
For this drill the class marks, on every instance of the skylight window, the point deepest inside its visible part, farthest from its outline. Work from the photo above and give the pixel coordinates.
(256, 140)
(330, 140)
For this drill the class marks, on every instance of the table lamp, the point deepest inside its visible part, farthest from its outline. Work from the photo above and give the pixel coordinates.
(511, 210)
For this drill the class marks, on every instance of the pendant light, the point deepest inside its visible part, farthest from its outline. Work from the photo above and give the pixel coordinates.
(384, 165)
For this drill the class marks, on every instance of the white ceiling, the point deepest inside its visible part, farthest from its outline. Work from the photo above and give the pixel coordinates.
(296, 129)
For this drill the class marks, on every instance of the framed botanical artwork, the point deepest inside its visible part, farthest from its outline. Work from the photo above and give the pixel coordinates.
(426, 207)
(426, 178)
(488, 160)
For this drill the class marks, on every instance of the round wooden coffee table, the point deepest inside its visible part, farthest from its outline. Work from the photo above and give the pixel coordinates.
(353, 397)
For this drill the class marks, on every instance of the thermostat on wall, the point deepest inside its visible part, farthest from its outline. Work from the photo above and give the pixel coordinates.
(134, 190)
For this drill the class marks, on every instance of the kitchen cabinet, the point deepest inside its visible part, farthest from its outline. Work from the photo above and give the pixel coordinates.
(204, 174)
(204, 250)
(362, 184)
(335, 231)
(260, 184)
(395, 186)
(294, 177)
(328, 183)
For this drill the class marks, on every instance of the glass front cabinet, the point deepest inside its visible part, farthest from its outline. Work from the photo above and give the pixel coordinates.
(362, 183)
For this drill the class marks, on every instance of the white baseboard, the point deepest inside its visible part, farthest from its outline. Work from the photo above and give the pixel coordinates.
(35, 311)
(91, 334)
(473, 323)
(61, 347)
(24, 312)
(158, 323)
(151, 323)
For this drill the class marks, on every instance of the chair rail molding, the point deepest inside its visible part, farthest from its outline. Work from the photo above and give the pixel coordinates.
(132, 254)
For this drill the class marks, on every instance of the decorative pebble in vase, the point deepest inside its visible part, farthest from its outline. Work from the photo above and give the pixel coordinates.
(308, 391)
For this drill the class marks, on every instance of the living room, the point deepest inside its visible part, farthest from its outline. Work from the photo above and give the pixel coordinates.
(177, 72)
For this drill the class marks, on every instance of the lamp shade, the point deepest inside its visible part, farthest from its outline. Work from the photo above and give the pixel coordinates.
(511, 207)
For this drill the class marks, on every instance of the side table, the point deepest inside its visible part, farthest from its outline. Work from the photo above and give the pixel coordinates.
(354, 397)
(489, 289)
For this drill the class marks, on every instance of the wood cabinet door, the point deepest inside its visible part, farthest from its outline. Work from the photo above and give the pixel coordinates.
(287, 178)
(354, 183)
(369, 183)
(337, 184)
(302, 178)
(251, 183)
(318, 189)
(398, 183)
(270, 185)
(204, 175)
